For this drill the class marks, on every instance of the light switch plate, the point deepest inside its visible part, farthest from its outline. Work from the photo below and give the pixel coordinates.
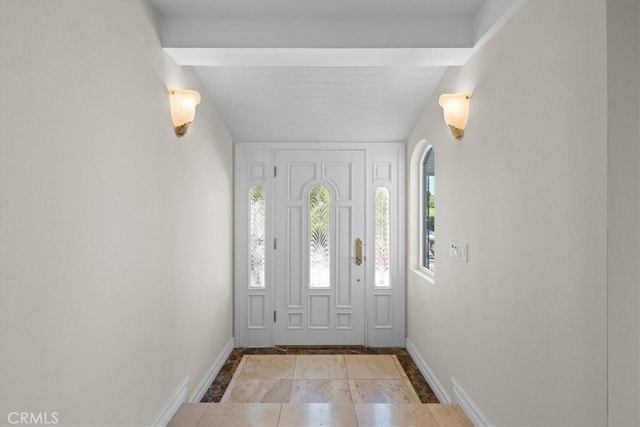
(458, 250)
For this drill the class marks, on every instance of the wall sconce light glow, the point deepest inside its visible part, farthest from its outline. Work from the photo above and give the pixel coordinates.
(183, 108)
(456, 111)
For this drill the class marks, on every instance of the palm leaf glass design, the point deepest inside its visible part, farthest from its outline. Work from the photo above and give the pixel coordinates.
(319, 252)
(382, 244)
(257, 237)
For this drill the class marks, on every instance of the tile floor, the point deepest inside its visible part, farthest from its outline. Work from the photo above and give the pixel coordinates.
(320, 379)
(222, 380)
(319, 390)
(319, 414)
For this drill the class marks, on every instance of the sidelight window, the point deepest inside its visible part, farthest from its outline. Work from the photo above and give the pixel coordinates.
(382, 244)
(257, 237)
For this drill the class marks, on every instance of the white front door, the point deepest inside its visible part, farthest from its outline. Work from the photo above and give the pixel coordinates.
(299, 212)
(320, 232)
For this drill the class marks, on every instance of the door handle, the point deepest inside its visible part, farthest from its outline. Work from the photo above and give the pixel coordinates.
(358, 251)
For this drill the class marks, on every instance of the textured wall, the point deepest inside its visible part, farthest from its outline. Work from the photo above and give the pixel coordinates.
(116, 236)
(623, 278)
(522, 326)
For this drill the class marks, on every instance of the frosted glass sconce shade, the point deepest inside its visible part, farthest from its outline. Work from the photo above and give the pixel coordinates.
(456, 111)
(183, 108)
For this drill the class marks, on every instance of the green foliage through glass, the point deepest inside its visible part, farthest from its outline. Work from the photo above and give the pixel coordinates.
(428, 210)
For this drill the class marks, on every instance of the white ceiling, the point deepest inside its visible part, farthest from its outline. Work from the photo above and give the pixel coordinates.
(324, 70)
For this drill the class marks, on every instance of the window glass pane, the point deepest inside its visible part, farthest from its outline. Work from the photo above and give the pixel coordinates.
(319, 215)
(257, 237)
(428, 211)
(382, 246)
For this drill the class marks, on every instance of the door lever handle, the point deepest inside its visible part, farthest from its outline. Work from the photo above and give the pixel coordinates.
(358, 252)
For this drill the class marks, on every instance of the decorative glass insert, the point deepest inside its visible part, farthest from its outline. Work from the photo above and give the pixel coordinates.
(382, 245)
(319, 254)
(428, 211)
(257, 237)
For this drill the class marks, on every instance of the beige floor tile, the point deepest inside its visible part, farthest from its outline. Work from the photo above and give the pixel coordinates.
(449, 415)
(241, 415)
(188, 415)
(399, 367)
(317, 414)
(414, 396)
(268, 367)
(264, 391)
(234, 378)
(321, 391)
(381, 391)
(371, 367)
(320, 367)
(387, 415)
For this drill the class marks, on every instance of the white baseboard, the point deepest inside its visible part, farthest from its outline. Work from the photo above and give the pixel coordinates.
(208, 378)
(431, 378)
(468, 406)
(181, 393)
(172, 405)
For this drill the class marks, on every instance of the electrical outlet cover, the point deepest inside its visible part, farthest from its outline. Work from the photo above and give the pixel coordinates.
(458, 250)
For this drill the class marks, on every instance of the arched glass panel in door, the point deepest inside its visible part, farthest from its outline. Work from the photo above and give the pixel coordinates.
(319, 241)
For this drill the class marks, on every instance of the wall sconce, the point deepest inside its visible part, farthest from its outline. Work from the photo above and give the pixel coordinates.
(183, 108)
(456, 111)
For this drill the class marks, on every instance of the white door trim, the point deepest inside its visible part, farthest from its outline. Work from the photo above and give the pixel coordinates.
(254, 164)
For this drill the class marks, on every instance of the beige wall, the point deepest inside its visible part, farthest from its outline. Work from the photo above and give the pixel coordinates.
(623, 279)
(116, 236)
(522, 326)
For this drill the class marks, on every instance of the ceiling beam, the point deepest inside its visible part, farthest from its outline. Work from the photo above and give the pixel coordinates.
(317, 24)
(298, 57)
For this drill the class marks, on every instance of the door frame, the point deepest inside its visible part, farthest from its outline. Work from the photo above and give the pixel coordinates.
(254, 165)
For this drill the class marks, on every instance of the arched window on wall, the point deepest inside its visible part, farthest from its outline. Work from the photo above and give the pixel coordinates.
(427, 211)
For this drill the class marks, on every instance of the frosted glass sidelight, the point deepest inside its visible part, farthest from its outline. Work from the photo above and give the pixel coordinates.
(382, 245)
(319, 252)
(257, 237)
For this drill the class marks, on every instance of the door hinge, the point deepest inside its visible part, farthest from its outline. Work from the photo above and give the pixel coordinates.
(275, 171)
(275, 243)
(274, 316)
